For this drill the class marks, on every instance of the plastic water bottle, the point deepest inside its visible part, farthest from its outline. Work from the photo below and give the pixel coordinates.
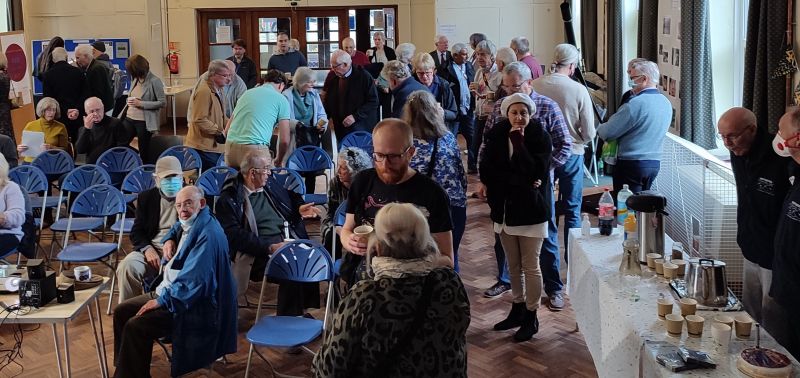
(586, 226)
(606, 213)
(622, 208)
(631, 231)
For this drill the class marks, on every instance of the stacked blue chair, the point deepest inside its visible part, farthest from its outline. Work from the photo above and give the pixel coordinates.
(289, 179)
(135, 182)
(33, 180)
(221, 161)
(298, 261)
(212, 180)
(118, 162)
(360, 139)
(310, 160)
(97, 201)
(189, 158)
(78, 180)
(55, 164)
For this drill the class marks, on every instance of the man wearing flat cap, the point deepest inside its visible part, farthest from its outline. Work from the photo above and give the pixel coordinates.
(155, 215)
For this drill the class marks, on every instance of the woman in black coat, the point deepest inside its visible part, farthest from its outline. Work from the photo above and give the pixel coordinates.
(380, 53)
(516, 171)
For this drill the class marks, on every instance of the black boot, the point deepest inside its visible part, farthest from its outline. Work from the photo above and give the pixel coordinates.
(530, 325)
(514, 318)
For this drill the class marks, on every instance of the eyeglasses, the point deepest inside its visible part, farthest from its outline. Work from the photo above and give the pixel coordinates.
(380, 157)
(185, 204)
(513, 88)
(338, 65)
(225, 76)
(635, 77)
(424, 73)
(733, 137)
(261, 171)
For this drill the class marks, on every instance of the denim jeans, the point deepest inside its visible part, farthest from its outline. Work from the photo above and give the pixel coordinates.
(502, 266)
(208, 159)
(459, 217)
(570, 191)
(638, 174)
(550, 258)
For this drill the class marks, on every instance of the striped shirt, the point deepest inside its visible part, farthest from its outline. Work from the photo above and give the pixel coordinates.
(549, 114)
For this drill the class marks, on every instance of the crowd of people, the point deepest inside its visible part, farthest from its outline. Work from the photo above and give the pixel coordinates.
(524, 130)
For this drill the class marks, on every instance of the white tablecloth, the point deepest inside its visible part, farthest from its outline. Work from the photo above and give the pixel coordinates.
(616, 326)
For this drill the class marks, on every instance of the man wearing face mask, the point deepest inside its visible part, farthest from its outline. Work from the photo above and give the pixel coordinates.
(194, 302)
(786, 263)
(252, 210)
(155, 215)
(762, 180)
(639, 128)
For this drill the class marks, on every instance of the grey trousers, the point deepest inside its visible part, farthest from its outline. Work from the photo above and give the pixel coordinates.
(760, 305)
(132, 271)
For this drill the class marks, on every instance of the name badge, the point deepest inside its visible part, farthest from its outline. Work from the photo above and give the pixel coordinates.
(793, 211)
(765, 186)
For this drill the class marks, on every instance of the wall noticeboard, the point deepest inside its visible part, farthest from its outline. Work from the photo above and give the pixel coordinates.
(118, 50)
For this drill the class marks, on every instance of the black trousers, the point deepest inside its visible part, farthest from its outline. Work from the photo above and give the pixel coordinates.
(134, 335)
(8, 243)
(465, 124)
(139, 129)
(479, 124)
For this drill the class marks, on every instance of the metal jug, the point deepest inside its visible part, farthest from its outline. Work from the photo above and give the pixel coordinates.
(706, 282)
(649, 207)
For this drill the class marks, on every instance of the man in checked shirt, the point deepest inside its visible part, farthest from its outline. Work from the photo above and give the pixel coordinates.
(517, 79)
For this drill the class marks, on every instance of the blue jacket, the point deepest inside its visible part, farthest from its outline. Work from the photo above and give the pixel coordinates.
(401, 93)
(202, 298)
(639, 126)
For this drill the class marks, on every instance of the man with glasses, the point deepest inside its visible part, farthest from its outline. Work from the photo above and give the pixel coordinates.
(393, 180)
(517, 79)
(762, 181)
(349, 96)
(255, 117)
(194, 302)
(285, 59)
(207, 117)
(253, 211)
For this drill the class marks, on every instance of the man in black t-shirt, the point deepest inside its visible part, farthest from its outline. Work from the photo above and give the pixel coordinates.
(393, 180)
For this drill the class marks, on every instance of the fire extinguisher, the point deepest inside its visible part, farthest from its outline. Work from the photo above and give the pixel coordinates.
(173, 62)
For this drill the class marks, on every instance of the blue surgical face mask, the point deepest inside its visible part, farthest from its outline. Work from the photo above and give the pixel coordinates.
(170, 186)
(188, 222)
(632, 83)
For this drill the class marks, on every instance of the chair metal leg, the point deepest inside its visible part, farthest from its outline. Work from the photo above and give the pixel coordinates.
(249, 359)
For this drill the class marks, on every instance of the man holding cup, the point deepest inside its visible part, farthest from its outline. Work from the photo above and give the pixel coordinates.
(194, 301)
(392, 180)
(254, 211)
(155, 215)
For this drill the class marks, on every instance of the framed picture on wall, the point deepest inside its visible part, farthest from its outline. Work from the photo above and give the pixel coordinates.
(665, 57)
(679, 31)
(676, 57)
(666, 27)
(672, 87)
(660, 49)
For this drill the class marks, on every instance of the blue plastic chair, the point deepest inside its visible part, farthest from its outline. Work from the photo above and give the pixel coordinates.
(137, 181)
(189, 158)
(33, 180)
(308, 160)
(289, 179)
(118, 162)
(99, 201)
(54, 163)
(212, 180)
(360, 139)
(298, 261)
(221, 161)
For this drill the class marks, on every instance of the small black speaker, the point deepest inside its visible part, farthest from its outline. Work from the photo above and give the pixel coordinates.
(36, 269)
(65, 293)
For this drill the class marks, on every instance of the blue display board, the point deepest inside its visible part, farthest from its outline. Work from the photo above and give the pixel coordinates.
(118, 49)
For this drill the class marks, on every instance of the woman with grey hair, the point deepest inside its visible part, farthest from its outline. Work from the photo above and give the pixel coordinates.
(425, 72)
(397, 74)
(484, 87)
(12, 211)
(380, 53)
(516, 171)
(413, 310)
(55, 133)
(405, 52)
(306, 108)
(351, 161)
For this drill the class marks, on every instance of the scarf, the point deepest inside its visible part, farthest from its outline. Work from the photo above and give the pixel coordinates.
(399, 268)
(303, 107)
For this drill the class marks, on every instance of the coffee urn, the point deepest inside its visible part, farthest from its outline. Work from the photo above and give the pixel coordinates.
(649, 207)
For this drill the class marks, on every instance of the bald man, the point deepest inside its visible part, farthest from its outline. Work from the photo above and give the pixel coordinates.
(393, 180)
(359, 58)
(761, 184)
(351, 99)
(100, 132)
(786, 263)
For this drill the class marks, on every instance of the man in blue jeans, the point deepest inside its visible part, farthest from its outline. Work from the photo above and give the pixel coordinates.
(517, 79)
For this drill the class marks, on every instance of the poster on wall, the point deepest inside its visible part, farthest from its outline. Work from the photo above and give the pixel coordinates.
(669, 57)
(18, 61)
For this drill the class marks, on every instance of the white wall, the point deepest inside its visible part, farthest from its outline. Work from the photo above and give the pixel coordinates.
(538, 20)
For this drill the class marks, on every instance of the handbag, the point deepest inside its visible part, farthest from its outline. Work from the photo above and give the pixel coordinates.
(432, 163)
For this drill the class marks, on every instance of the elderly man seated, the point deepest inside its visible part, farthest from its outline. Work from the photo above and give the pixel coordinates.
(253, 214)
(155, 216)
(194, 301)
(100, 132)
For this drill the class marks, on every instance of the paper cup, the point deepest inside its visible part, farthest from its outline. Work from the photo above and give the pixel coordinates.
(674, 324)
(743, 324)
(670, 270)
(363, 232)
(694, 325)
(664, 307)
(681, 266)
(651, 260)
(688, 306)
(82, 273)
(724, 319)
(659, 266)
(721, 334)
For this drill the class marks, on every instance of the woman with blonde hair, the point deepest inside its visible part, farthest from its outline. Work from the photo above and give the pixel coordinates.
(425, 72)
(438, 156)
(55, 133)
(12, 211)
(413, 310)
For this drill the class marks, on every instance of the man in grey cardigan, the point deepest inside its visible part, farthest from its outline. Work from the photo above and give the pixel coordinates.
(231, 92)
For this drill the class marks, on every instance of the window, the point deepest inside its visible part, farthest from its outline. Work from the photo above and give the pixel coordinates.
(322, 38)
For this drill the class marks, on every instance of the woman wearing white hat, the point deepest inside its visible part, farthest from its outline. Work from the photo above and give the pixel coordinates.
(516, 170)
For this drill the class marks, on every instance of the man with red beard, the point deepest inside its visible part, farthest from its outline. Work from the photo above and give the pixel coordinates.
(393, 180)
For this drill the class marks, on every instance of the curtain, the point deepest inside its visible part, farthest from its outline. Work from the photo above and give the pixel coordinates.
(766, 30)
(588, 24)
(648, 30)
(615, 67)
(696, 88)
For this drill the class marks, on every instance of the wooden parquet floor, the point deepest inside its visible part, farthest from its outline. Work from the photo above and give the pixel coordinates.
(558, 350)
